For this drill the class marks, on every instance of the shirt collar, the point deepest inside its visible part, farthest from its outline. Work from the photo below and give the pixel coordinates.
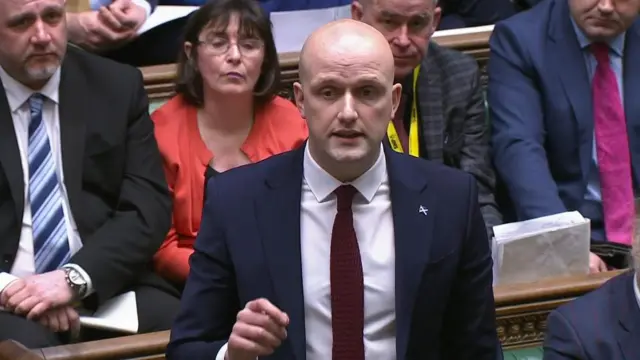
(18, 93)
(322, 184)
(616, 44)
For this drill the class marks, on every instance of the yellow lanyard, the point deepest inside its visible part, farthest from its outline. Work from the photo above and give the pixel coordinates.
(394, 139)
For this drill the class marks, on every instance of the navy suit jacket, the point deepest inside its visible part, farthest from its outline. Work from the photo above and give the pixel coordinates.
(542, 110)
(249, 247)
(605, 324)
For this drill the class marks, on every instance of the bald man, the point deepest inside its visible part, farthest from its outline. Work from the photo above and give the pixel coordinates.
(342, 247)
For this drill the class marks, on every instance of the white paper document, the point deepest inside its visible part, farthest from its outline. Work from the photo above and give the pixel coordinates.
(549, 246)
(117, 314)
(291, 28)
(164, 14)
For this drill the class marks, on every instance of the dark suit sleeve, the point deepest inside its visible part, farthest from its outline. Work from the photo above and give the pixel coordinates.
(561, 341)
(467, 13)
(469, 326)
(209, 302)
(117, 252)
(518, 134)
(154, 4)
(475, 155)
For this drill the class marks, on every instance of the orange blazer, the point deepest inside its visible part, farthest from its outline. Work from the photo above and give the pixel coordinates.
(278, 127)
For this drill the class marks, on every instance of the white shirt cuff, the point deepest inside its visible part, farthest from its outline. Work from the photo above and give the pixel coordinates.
(6, 279)
(143, 4)
(222, 352)
(84, 275)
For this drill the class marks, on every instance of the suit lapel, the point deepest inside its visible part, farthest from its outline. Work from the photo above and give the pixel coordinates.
(413, 236)
(278, 215)
(631, 71)
(429, 95)
(74, 111)
(10, 154)
(629, 316)
(567, 59)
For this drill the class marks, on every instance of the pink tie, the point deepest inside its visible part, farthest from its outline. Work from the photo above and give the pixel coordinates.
(612, 148)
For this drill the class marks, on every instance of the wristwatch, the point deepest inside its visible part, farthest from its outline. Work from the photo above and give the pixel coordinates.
(76, 282)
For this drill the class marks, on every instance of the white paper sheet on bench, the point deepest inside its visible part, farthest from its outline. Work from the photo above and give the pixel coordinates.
(117, 314)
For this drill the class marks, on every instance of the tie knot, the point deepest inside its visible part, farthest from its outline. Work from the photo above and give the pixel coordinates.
(35, 103)
(601, 52)
(345, 194)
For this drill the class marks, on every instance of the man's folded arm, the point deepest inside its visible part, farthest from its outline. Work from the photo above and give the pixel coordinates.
(209, 303)
(518, 132)
(122, 248)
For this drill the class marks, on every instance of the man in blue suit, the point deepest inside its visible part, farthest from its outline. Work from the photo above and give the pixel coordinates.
(604, 324)
(563, 92)
(342, 247)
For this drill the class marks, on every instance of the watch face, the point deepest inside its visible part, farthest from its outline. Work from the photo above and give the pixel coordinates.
(76, 278)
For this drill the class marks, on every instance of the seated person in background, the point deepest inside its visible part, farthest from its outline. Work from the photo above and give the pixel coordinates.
(271, 279)
(467, 13)
(603, 324)
(109, 24)
(226, 114)
(450, 126)
(83, 200)
(563, 90)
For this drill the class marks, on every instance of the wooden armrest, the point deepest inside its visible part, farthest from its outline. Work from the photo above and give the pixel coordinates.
(13, 350)
(550, 289)
(116, 348)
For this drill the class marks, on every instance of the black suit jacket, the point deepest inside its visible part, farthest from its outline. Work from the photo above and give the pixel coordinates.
(604, 324)
(112, 169)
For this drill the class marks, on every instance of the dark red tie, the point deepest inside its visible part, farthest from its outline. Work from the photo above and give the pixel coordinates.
(347, 285)
(612, 149)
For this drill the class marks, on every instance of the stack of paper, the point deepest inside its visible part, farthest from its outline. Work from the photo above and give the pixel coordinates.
(555, 245)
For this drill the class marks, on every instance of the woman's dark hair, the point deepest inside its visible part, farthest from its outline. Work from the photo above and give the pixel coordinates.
(253, 22)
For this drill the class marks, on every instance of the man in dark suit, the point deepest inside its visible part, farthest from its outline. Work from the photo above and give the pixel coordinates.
(603, 324)
(563, 91)
(343, 246)
(83, 201)
(450, 126)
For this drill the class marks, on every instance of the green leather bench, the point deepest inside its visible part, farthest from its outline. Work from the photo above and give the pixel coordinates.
(523, 354)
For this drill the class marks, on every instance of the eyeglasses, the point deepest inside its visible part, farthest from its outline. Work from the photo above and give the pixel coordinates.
(246, 47)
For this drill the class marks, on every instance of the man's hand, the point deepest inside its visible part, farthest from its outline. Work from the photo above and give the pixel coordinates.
(92, 31)
(61, 319)
(596, 264)
(259, 329)
(36, 294)
(123, 15)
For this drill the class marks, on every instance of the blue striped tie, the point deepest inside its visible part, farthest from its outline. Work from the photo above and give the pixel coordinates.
(50, 243)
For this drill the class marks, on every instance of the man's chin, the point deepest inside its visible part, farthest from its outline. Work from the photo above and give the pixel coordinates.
(39, 73)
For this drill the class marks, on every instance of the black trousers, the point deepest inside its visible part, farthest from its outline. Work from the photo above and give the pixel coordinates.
(156, 311)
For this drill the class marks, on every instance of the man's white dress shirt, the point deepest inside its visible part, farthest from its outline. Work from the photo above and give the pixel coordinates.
(373, 223)
(18, 96)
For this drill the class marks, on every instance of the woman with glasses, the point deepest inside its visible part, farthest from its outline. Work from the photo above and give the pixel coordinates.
(226, 114)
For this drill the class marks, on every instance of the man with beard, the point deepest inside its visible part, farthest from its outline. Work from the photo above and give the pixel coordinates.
(83, 200)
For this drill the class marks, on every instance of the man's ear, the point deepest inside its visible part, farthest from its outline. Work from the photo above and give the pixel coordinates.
(298, 96)
(356, 10)
(396, 94)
